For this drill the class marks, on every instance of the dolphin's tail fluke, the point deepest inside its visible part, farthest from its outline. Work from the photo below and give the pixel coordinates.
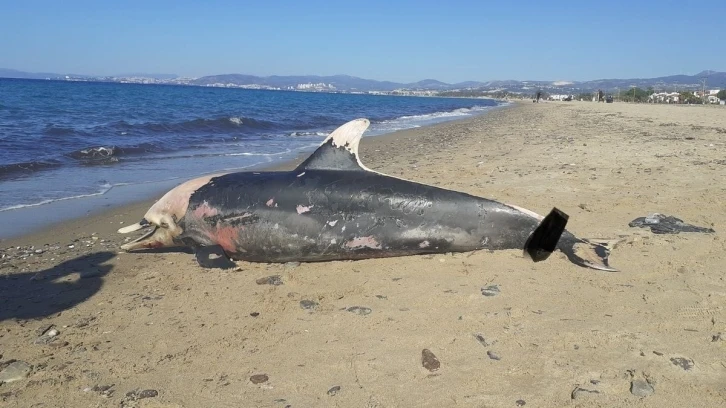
(592, 253)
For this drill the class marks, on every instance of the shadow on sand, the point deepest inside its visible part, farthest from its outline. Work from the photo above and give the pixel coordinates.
(31, 295)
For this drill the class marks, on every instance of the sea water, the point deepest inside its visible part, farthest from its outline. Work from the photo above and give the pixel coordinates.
(62, 140)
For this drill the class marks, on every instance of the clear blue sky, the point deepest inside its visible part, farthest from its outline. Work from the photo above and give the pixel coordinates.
(386, 40)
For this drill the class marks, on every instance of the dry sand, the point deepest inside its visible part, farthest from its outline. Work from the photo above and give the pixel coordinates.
(555, 335)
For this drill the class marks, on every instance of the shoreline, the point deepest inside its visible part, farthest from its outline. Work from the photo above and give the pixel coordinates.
(38, 221)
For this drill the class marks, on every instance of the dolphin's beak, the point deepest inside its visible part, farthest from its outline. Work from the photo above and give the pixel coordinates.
(135, 227)
(156, 238)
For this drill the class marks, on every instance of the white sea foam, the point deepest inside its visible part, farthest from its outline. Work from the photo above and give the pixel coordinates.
(237, 121)
(325, 134)
(104, 188)
(435, 115)
(415, 121)
(257, 154)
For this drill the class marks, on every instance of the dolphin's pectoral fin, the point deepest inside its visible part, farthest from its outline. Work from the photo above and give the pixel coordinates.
(543, 240)
(339, 151)
(213, 257)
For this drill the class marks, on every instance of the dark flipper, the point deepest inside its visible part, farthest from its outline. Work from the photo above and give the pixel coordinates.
(213, 257)
(543, 240)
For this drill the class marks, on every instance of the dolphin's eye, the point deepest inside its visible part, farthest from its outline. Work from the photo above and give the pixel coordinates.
(164, 225)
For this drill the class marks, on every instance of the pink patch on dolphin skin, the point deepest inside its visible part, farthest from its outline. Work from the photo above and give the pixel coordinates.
(363, 242)
(270, 202)
(204, 211)
(424, 244)
(226, 237)
(301, 209)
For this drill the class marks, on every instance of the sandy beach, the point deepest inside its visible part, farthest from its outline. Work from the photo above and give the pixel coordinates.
(86, 325)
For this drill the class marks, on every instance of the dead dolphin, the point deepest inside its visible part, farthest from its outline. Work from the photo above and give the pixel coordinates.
(331, 207)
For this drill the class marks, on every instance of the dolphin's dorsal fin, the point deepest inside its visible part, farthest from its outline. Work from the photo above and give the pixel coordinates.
(339, 151)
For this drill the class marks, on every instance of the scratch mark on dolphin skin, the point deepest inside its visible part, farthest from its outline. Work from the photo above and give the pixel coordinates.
(270, 202)
(301, 209)
(332, 223)
(301, 174)
(205, 211)
(363, 242)
(234, 219)
(424, 244)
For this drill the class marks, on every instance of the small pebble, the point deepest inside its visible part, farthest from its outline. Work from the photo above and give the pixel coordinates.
(429, 360)
(259, 378)
(15, 371)
(482, 340)
(521, 403)
(684, 363)
(641, 388)
(582, 393)
(141, 394)
(104, 390)
(491, 290)
(255, 314)
(360, 310)
(493, 355)
(334, 390)
(274, 280)
(308, 304)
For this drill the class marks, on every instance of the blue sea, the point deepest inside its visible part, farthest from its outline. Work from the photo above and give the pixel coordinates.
(69, 140)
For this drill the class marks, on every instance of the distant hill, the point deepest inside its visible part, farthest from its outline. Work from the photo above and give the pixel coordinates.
(340, 82)
(153, 76)
(714, 80)
(347, 83)
(14, 73)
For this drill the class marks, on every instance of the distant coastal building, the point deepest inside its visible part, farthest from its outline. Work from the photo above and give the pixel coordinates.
(313, 87)
(664, 97)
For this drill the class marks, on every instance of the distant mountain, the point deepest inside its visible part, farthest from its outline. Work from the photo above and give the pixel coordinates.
(339, 82)
(14, 73)
(153, 76)
(714, 80)
(347, 83)
(429, 84)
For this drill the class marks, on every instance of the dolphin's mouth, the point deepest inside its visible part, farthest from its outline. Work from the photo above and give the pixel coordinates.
(134, 244)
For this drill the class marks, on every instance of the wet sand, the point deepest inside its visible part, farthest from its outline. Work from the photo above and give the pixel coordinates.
(346, 334)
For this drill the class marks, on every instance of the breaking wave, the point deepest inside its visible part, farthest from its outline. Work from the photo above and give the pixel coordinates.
(216, 125)
(110, 154)
(27, 168)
